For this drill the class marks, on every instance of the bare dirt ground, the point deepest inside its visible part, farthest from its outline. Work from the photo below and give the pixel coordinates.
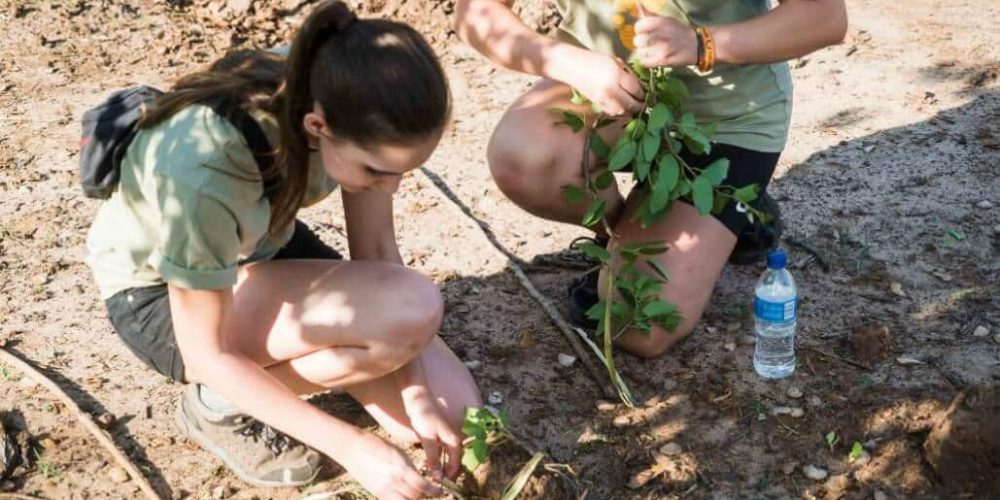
(891, 175)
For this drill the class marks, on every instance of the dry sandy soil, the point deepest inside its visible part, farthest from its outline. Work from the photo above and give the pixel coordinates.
(890, 175)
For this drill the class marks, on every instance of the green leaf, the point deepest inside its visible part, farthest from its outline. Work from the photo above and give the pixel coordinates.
(595, 251)
(577, 98)
(521, 480)
(596, 311)
(633, 128)
(650, 146)
(642, 170)
(594, 213)
(702, 194)
(746, 194)
(475, 454)
(717, 171)
(628, 255)
(574, 121)
(658, 268)
(696, 142)
(658, 308)
(683, 188)
(688, 121)
(598, 146)
(670, 170)
(604, 181)
(623, 154)
(659, 116)
(719, 204)
(672, 91)
(641, 71)
(666, 181)
(574, 194)
(856, 451)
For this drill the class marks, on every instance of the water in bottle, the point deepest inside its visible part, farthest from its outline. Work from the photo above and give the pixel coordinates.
(775, 301)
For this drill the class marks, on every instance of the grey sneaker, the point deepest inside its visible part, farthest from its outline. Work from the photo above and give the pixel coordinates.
(255, 452)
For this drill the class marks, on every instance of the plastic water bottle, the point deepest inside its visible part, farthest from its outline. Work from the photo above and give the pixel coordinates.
(774, 310)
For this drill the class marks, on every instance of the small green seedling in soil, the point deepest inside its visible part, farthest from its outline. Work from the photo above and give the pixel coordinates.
(45, 467)
(485, 429)
(856, 451)
(832, 439)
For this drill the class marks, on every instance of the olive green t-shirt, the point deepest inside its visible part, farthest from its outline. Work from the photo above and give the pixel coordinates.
(189, 207)
(751, 103)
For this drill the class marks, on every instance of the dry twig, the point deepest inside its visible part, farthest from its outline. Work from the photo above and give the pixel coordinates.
(838, 358)
(87, 422)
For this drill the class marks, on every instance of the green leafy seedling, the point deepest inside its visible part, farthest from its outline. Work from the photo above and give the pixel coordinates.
(832, 439)
(856, 451)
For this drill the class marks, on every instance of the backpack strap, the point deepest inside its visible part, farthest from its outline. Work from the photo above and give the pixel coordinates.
(259, 146)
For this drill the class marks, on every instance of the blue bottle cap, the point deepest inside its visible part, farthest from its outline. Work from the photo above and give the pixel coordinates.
(777, 260)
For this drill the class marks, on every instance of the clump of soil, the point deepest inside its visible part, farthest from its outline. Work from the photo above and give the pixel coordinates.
(964, 446)
(871, 343)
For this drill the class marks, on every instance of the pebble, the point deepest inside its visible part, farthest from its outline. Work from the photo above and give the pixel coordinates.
(797, 413)
(879, 495)
(495, 398)
(815, 473)
(670, 449)
(118, 475)
(566, 359)
(985, 204)
(897, 289)
(815, 401)
(606, 406)
(527, 340)
(789, 467)
(730, 346)
(981, 331)
(862, 459)
(748, 340)
(621, 421)
(996, 229)
(473, 364)
(794, 392)
(871, 444)
(781, 410)
(220, 492)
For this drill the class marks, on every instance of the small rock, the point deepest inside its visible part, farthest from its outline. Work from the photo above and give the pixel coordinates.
(781, 410)
(118, 475)
(621, 421)
(871, 444)
(473, 364)
(996, 229)
(729, 346)
(789, 467)
(748, 340)
(606, 406)
(105, 419)
(879, 495)
(219, 493)
(794, 392)
(711, 329)
(943, 276)
(981, 331)
(566, 359)
(815, 401)
(733, 327)
(814, 473)
(862, 459)
(985, 205)
(906, 360)
(897, 289)
(670, 449)
(495, 398)
(797, 413)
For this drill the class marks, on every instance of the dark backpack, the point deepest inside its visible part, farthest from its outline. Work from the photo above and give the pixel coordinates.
(109, 128)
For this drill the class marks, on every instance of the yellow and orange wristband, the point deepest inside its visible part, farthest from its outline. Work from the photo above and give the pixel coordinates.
(706, 49)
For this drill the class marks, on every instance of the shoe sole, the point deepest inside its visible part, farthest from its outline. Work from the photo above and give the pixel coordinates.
(199, 437)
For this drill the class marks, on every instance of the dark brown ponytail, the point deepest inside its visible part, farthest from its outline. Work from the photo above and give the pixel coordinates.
(377, 81)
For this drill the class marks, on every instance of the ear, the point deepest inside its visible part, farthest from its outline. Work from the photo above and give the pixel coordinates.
(314, 123)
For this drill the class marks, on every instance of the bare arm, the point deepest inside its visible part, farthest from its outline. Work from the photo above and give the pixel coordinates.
(795, 28)
(371, 233)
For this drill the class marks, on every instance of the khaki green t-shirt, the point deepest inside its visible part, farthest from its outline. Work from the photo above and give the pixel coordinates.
(189, 207)
(752, 103)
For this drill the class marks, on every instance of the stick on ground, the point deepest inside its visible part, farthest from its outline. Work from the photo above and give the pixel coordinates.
(88, 423)
(517, 266)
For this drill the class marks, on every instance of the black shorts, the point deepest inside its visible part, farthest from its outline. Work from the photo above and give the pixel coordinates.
(746, 167)
(141, 316)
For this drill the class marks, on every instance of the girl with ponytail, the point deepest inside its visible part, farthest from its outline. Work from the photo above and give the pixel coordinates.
(209, 278)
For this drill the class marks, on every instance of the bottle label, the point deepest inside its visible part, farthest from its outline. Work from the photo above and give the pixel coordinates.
(774, 311)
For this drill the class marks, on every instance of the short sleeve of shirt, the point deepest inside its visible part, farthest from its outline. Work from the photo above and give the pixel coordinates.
(198, 242)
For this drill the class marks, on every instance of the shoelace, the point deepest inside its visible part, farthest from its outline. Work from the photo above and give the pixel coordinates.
(275, 441)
